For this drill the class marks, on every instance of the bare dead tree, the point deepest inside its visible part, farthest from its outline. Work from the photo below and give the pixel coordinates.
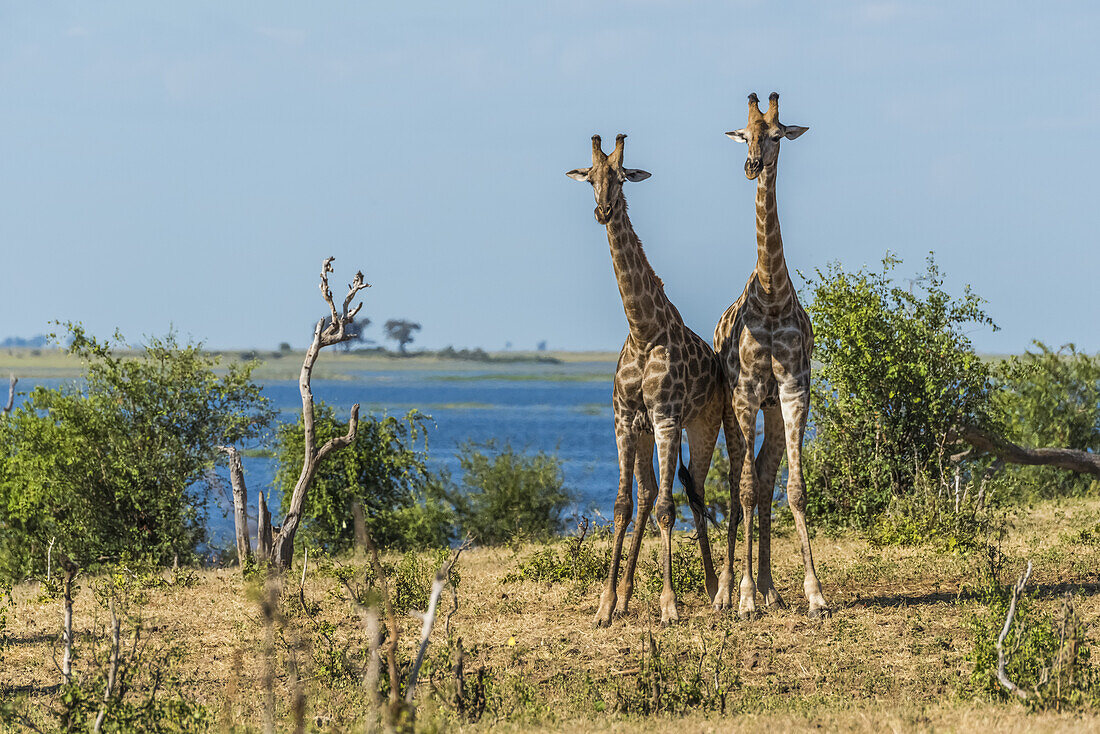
(324, 335)
(240, 503)
(11, 394)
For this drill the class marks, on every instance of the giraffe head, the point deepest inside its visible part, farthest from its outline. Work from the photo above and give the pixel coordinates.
(607, 176)
(763, 134)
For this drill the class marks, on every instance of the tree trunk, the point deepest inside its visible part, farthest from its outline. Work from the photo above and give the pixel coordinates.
(11, 394)
(360, 526)
(240, 503)
(67, 621)
(263, 532)
(1084, 462)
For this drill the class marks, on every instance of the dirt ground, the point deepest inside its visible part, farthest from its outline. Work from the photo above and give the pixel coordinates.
(893, 656)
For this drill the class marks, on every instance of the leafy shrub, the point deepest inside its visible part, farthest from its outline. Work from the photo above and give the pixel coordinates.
(1050, 398)
(382, 470)
(114, 463)
(508, 495)
(898, 373)
(930, 515)
(569, 560)
(677, 681)
(687, 569)
(410, 578)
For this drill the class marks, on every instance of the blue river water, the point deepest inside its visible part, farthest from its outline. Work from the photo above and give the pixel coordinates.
(563, 409)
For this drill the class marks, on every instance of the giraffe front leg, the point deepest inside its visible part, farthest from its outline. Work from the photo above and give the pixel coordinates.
(647, 493)
(668, 457)
(745, 410)
(795, 401)
(624, 507)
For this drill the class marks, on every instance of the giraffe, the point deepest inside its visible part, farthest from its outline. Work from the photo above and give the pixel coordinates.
(667, 379)
(764, 341)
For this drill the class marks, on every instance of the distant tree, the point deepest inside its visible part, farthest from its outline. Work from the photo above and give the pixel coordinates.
(400, 331)
(284, 346)
(542, 346)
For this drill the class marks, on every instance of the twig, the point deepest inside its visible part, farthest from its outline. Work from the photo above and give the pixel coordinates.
(112, 671)
(1001, 675)
(441, 578)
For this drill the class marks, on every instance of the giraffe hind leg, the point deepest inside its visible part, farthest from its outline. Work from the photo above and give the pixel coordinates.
(767, 466)
(701, 439)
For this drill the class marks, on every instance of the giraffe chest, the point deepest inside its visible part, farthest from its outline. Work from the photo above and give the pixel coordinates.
(666, 380)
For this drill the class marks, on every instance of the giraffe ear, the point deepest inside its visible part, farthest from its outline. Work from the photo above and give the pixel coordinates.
(793, 131)
(636, 174)
(578, 174)
(741, 136)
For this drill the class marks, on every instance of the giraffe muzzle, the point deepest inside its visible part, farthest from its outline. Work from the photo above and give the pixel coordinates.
(603, 214)
(753, 167)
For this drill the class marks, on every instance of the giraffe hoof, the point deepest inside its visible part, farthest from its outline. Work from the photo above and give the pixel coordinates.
(603, 622)
(820, 613)
(748, 616)
(671, 621)
(775, 603)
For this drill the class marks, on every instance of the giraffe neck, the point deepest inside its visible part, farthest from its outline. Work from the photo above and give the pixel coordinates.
(771, 266)
(644, 301)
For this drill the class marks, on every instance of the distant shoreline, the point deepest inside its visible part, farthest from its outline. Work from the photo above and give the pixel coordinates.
(334, 364)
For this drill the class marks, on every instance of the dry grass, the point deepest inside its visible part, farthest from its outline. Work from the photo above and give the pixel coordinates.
(892, 657)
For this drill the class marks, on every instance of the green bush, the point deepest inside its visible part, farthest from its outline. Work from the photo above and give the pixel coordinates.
(382, 469)
(572, 560)
(898, 373)
(114, 464)
(508, 495)
(1050, 398)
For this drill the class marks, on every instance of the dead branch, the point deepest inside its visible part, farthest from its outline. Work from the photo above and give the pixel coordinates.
(441, 578)
(11, 394)
(1001, 675)
(240, 503)
(1084, 462)
(112, 670)
(324, 335)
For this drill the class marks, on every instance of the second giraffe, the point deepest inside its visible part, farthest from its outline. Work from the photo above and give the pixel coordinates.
(667, 380)
(764, 341)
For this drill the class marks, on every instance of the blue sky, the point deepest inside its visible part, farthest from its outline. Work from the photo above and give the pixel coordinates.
(191, 164)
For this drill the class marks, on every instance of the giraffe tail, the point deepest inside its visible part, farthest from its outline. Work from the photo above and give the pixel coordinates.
(695, 499)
